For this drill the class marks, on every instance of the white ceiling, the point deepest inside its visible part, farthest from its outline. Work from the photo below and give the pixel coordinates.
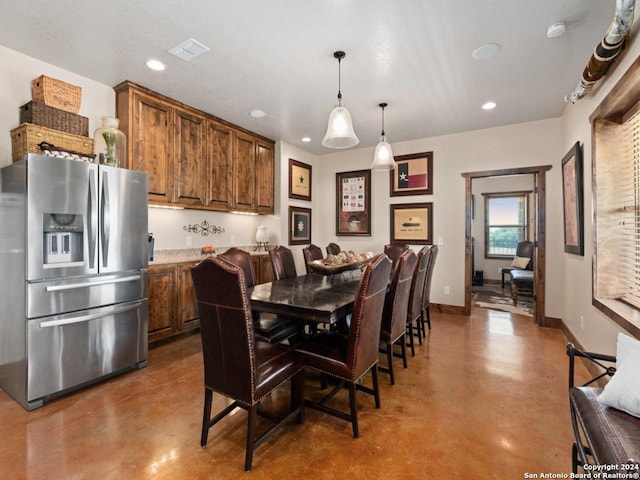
(277, 56)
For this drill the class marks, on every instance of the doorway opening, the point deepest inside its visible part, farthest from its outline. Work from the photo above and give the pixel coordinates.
(538, 235)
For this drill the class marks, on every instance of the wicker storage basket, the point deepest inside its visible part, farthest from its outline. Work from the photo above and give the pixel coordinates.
(26, 138)
(56, 93)
(45, 116)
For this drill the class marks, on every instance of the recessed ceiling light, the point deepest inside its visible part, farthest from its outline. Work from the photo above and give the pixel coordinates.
(556, 30)
(257, 113)
(489, 105)
(487, 50)
(156, 65)
(306, 139)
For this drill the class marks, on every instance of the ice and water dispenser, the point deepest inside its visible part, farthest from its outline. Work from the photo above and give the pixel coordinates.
(63, 235)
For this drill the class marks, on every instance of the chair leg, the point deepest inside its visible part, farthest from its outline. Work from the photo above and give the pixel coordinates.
(428, 317)
(420, 329)
(251, 434)
(403, 346)
(354, 410)
(206, 416)
(390, 360)
(297, 393)
(376, 388)
(411, 341)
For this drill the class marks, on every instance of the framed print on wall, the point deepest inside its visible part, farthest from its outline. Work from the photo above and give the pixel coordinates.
(412, 223)
(572, 200)
(353, 203)
(299, 180)
(413, 175)
(299, 225)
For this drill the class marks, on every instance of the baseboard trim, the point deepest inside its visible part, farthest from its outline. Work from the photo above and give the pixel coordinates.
(449, 309)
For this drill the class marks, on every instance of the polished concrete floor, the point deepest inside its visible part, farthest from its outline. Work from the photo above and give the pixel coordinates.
(484, 398)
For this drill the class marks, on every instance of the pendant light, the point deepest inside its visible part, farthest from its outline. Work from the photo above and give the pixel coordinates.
(340, 132)
(383, 157)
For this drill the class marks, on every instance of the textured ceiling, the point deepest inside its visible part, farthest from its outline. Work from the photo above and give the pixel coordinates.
(277, 56)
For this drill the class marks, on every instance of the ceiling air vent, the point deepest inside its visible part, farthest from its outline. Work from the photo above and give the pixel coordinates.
(189, 49)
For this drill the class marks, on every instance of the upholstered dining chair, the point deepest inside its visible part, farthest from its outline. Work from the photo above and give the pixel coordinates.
(394, 250)
(426, 295)
(282, 262)
(333, 249)
(235, 365)
(269, 328)
(414, 308)
(310, 253)
(394, 315)
(348, 357)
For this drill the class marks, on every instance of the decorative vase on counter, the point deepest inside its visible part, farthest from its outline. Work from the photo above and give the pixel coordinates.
(262, 238)
(110, 144)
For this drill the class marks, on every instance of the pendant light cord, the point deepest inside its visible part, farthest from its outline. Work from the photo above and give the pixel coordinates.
(339, 78)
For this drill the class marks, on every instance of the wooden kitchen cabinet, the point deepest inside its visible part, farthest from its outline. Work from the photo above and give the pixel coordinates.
(262, 268)
(172, 302)
(194, 159)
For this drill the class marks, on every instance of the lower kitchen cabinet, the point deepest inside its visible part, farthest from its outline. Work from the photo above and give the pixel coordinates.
(262, 268)
(172, 304)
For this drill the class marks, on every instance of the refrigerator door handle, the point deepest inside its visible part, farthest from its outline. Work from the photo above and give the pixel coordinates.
(92, 220)
(89, 317)
(72, 286)
(106, 219)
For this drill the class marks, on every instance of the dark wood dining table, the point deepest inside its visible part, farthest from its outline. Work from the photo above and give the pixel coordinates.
(310, 298)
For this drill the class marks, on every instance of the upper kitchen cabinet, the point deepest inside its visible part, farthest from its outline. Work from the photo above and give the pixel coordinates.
(193, 158)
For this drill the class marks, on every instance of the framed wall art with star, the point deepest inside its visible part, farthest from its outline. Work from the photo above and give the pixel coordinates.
(413, 175)
(299, 180)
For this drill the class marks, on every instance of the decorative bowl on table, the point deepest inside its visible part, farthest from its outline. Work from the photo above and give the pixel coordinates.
(342, 262)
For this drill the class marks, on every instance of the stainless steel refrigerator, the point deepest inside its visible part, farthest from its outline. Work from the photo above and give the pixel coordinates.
(73, 287)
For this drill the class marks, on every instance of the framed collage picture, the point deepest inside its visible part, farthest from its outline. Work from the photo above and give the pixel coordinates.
(353, 203)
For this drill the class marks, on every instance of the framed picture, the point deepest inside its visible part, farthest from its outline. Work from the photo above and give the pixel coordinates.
(572, 200)
(412, 223)
(299, 180)
(413, 175)
(353, 203)
(299, 225)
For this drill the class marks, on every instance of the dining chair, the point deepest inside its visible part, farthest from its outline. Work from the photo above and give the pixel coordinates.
(310, 253)
(414, 308)
(333, 249)
(266, 327)
(349, 356)
(394, 315)
(426, 295)
(235, 365)
(394, 250)
(282, 262)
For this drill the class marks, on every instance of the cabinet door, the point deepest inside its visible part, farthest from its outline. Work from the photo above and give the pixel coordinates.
(244, 190)
(189, 155)
(219, 166)
(151, 149)
(162, 301)
(187, 305)
(264, 177)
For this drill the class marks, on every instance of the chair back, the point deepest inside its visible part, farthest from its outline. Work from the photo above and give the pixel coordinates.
(394, 315)
(282, 262)
(524, 249)
(414, 309)
(226, 328)
(310, 253)
(241, 258)
(427, 281)
(333, 249)
(364, 333)
(394, 250)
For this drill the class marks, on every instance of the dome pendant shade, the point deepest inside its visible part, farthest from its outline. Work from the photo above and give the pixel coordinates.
(383, 156)
(340, 132)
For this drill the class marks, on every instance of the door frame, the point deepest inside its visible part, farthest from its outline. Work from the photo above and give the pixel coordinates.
(539, 252)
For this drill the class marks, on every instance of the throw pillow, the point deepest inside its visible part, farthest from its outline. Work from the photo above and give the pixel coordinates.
(623, 390)
(520, 262)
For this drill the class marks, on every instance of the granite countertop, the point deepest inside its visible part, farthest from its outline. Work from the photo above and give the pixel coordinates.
(181, 255)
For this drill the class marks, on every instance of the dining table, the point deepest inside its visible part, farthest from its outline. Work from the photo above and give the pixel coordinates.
(311, 298)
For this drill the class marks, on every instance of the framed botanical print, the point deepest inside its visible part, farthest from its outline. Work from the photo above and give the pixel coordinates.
(299, 225)
(299, 180)
(412, 223)
(572, 201)
(353, 203)
(413, 175)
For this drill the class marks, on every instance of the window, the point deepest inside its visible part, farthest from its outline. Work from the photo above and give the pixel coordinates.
(506, 222)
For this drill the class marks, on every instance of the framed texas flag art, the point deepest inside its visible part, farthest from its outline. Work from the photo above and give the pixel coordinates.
(413, 175)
